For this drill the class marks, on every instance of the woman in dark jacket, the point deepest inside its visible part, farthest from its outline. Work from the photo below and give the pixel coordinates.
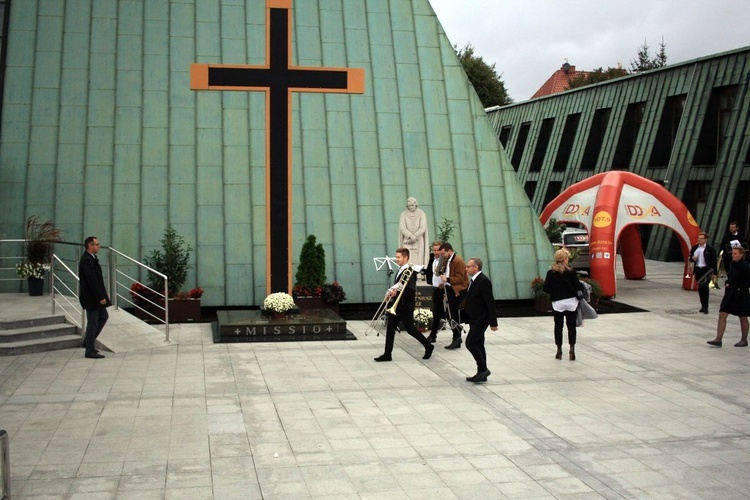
(563, 286)
(736, 299)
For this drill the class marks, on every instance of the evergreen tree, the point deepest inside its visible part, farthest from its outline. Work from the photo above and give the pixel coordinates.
(311, 271)
(645, 62)
(484, 78)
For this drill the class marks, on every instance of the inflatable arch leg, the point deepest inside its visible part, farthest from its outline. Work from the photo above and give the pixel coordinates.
(631, 247)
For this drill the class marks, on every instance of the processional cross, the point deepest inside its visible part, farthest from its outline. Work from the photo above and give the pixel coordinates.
(278, 79)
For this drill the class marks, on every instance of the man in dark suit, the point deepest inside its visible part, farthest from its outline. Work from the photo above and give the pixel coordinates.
(704, 261)
(455, 282)
(733, 234)
(480, 309)
(92, 295)
(438, 293)
(405, 309)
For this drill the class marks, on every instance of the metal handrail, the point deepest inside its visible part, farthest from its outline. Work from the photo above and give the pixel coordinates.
(114, 285)
(5, 465)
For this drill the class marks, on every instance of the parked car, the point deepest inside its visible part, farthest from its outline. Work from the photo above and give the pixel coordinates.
(578, 239)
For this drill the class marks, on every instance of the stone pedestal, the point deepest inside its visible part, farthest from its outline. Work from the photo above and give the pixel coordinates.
(253, 326)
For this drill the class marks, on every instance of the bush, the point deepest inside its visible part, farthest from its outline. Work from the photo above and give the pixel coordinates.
(171, 260)
(311, 272)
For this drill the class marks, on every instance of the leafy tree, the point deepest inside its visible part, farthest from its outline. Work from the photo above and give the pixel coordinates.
(484, 78)
(644, 61)
(598, 75)
(445, 230)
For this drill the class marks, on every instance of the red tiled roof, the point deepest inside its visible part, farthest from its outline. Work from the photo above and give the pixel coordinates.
(559, 81)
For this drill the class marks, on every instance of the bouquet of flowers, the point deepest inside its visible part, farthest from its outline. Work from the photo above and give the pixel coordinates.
(422, 317)
(279, 302)
(28, 269)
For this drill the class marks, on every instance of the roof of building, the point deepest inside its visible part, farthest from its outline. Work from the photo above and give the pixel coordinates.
(559, 81)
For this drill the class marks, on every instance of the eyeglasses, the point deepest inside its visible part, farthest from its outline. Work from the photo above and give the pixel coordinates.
(471, 265)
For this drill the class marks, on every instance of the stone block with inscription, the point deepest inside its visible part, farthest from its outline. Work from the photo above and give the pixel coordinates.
(253, 326)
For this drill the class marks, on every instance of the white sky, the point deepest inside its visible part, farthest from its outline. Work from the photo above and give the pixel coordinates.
(529, 40)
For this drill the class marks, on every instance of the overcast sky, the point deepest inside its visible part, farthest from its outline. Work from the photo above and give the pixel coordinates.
(529, 40)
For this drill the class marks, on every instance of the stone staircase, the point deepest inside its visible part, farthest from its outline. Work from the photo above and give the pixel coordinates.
(44, 333)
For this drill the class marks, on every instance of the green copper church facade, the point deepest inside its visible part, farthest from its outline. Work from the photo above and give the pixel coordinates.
(685, 126)
(102, 133)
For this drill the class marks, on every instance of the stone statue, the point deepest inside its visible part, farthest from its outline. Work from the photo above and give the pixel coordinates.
(412, 233)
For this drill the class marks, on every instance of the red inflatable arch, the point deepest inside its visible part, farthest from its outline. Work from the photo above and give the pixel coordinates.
(610, 205)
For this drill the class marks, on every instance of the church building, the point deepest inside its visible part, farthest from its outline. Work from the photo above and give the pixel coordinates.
(247, 126)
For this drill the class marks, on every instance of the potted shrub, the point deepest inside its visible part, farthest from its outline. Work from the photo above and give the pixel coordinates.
(310, 288)
(172, 259)
(39, 238)
(596, 291)
(542, 302)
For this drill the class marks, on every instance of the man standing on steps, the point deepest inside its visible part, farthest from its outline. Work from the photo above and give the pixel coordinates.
(92, 295)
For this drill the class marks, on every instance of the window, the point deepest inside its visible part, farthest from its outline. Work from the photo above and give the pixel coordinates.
(504, 134)
(667, 132)
(553, 189)
(523, 134)
(631, 124)
(566, 141)
(595, 139)
(545, 132)
(714, 126)
(530, 188)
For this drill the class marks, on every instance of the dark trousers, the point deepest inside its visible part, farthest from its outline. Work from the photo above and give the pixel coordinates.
(453, 303)
(96, 318)
(703, 289)
(570, 320)
(407, 317)
(438, 311)
(475, 344)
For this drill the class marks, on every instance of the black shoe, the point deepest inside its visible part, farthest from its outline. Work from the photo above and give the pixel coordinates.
(716, 343)
(383, 358)
(559, 353)
(96, 355)
(704, 310)
(481, 376)
(428, 351)
(741, 344)
(432, 338)
(454, 345)
(472, 378)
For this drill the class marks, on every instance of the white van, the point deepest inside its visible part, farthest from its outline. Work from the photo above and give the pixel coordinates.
(574, 238)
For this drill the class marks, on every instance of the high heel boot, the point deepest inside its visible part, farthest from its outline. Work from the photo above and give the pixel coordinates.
(559, 352)
(572, 353)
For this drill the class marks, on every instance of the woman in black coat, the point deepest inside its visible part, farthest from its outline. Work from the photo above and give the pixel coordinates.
(736, 299)
(562, 285)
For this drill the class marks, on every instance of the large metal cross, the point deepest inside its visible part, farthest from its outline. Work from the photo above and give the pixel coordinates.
(278, 79)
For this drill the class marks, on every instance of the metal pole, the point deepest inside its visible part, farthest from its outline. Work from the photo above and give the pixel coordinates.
(5, 458)
(52, 281)
(166, 306)
(112, 276)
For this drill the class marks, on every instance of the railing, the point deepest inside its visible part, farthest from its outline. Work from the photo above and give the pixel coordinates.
(64, 286)
(5, 464)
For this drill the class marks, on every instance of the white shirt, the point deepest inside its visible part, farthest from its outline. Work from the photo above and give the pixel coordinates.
(701, 262)
(436, 281)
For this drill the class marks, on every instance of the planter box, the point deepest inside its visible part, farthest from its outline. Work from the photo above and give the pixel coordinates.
(180, 311)
(305, 303)
(542, 304)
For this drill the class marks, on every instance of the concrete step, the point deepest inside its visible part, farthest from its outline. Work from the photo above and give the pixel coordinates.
(37, 332)
(53, 319)
(40, 345)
